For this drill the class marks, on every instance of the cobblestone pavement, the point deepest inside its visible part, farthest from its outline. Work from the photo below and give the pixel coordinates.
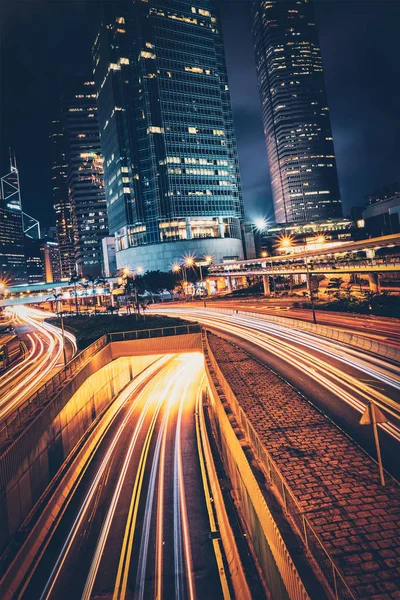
(334, 481)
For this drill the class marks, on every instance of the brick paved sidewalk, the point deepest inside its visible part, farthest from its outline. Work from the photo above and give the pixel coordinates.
(334, 481)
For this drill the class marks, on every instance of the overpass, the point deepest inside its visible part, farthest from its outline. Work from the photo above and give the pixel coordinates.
(371, 257)
(35, 293)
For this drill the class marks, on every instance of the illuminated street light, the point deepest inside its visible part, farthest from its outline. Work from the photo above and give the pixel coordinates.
(320, 239)
(261, 223)
(286, 242)
(139, 270)
(189, 261)
(208, 259)
(176, 268)
(264, 254)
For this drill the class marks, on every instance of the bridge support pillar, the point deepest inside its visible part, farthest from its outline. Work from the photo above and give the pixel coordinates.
(374, 286)
(229, 283)
(267, 289)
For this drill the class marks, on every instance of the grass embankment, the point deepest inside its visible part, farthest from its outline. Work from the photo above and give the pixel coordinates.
(87, 329)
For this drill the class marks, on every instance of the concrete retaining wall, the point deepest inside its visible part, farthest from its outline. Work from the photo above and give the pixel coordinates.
(278, 570)
(29, 464)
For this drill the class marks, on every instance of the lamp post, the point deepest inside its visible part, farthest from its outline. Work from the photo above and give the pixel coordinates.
(74, 280)
(204, 263)
(56, 296)
(287, 243)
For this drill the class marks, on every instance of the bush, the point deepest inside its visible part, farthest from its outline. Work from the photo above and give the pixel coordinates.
(88, 328)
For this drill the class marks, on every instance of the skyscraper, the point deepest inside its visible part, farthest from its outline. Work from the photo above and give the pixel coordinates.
(62, 205)
(85, 177)
(170, 160)
(295, 111)
(12, 241)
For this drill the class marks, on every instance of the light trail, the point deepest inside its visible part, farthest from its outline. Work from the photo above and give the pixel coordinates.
(181, 524)
(81, 516)
(280, 341)
(126, 552)
(47, 349)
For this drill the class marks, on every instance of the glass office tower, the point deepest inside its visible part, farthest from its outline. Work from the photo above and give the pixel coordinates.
(167, 137)
(295, 111)
(62, 204)
(85, 176)
(13, 268)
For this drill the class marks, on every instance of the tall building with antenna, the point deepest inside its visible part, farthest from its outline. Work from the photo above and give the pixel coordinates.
(12, 240)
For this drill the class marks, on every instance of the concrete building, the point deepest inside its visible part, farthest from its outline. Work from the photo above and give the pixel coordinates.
(12, 242)
(61, 201)
(167, 137)
(85, 176)
(295, 111)
(382, 217)
(109, 256)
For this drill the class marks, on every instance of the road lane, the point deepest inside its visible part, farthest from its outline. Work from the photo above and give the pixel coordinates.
(377, 328)
(43, 359)
(341, 380)
(138, 526)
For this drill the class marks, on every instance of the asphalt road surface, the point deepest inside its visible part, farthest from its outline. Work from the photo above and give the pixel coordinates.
(43, 357)
(339, 379)
(137, 525)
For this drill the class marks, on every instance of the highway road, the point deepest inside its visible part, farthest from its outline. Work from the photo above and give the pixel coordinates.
(43, 358)
(339, 379)
(137, 525)
(380, 329)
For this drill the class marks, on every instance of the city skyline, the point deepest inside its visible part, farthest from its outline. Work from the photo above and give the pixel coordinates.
(366, 153)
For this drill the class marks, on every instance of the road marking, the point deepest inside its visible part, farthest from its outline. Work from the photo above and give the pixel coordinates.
(207, 494)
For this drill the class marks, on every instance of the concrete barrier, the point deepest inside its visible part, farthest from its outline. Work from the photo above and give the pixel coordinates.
(276, 565)
(28, 465)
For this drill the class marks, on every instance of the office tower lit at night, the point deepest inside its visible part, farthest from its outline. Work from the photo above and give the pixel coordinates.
(295, 111)
(167, 137)
(62, 205)
(13, 267)
(85, 177)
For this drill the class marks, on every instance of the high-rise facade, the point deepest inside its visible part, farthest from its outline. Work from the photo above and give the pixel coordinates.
(85, 177)
(170, 160)
(295, 111)
(13, 267)
(62, 205)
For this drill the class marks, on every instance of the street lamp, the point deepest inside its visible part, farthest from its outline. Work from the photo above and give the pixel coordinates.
(56, 296)
(286, 242)
(205, 263)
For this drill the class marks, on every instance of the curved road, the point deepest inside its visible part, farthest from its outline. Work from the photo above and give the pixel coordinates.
(137, 525)
(339, 379)
(44, 357)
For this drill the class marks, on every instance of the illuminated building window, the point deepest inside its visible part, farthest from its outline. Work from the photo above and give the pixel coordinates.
(193, 130)
(154, 129)
(145, 54)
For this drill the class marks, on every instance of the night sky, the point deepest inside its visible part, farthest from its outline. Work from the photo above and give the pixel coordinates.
(43, 40)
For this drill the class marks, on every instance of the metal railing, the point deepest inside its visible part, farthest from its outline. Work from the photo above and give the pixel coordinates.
(46, 392)
(312, 542)
(145, 334)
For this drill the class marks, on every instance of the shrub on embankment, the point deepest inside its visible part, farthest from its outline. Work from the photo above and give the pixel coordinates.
(381, 305)
(89, 328)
